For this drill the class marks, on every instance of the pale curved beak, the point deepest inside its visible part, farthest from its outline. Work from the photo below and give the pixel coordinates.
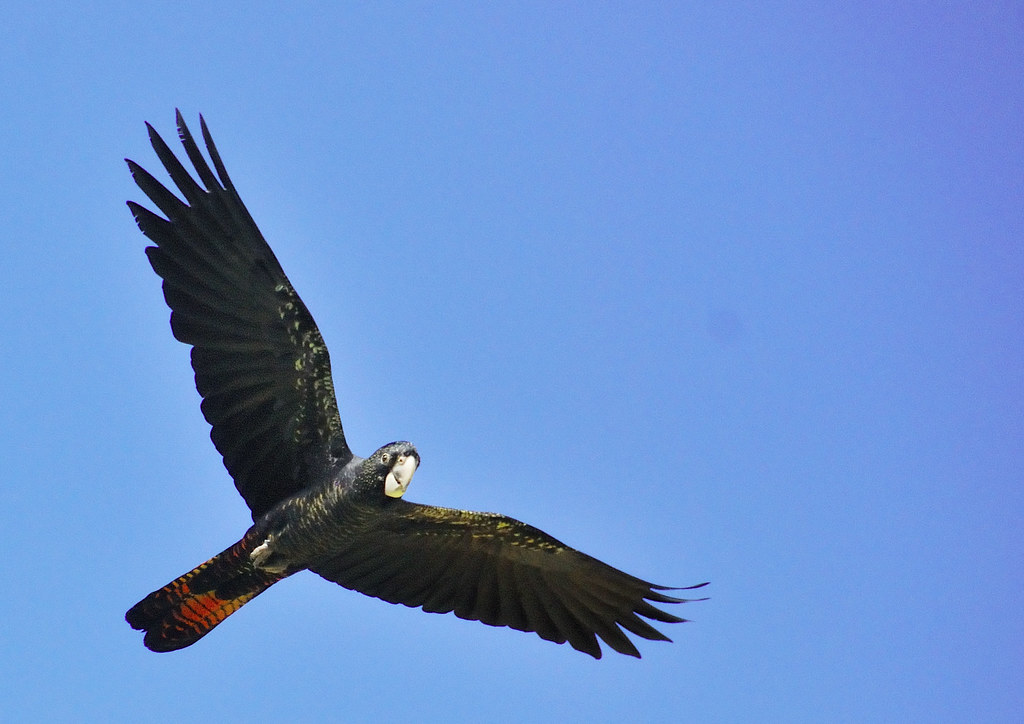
(400, 476)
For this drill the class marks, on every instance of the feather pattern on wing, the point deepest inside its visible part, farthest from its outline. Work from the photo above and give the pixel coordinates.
(261, 366)
(495, 569)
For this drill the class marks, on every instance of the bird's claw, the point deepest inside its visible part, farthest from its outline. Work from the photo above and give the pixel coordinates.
(260, 557)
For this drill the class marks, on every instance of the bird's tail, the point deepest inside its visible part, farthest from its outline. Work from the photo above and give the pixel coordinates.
(186, 609)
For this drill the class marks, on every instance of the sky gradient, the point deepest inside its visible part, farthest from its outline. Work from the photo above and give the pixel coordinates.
(731, 294)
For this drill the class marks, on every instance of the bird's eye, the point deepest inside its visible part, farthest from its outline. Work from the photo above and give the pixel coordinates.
(384, 457)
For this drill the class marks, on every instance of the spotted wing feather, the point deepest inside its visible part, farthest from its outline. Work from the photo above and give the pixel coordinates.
(495, 569)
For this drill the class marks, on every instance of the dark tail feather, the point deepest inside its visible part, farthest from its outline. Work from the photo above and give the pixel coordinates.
(188, 608)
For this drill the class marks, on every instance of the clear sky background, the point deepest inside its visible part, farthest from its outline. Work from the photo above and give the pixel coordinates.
(731, 294)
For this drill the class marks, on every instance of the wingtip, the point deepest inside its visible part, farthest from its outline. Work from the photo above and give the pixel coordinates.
(205, 130)
(656, 596)
(133, 168)
(678, 588)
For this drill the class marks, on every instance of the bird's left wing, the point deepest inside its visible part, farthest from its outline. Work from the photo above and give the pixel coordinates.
(495, 569)
(261, 365)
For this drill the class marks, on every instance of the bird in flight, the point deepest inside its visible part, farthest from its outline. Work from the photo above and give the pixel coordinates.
(264, 374)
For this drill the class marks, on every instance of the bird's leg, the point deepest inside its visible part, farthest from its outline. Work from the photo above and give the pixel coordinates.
(261, 555)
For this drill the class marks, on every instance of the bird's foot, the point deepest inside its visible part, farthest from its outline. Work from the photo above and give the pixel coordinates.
(261, 555)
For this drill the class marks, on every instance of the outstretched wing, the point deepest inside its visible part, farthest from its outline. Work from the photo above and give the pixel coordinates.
(261, 365)
(491, 568)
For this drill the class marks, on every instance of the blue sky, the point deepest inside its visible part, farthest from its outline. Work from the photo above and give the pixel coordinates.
(729, 294)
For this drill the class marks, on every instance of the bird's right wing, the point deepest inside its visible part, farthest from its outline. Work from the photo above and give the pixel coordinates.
(495, 569)
(261, 365)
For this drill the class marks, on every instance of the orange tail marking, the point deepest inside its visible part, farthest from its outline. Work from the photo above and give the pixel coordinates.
(196, 615)
(187, 608)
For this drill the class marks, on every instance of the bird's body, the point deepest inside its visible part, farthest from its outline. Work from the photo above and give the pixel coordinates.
(264, 374)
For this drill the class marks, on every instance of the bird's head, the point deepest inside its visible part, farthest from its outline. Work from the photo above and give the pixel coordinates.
(393, 466)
